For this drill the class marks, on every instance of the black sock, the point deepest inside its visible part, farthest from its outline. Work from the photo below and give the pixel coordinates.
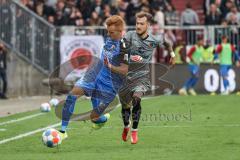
(125, 116)
(136, 112)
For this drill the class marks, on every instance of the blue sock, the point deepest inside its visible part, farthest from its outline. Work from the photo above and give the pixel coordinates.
(188, 83)
(225, 83)
(194, 82)
(68, 110)
(101, 119)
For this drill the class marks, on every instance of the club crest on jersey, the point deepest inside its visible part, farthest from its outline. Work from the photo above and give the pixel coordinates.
(113, 47)
(152, 45)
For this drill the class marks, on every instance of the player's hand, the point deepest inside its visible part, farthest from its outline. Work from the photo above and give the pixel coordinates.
(136, 58)
(106, 62)
(172, 61)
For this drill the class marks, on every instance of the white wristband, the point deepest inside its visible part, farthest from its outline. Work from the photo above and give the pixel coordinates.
(172, 54)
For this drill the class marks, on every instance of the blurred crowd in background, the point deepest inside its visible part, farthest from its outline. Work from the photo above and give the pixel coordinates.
(94, 12)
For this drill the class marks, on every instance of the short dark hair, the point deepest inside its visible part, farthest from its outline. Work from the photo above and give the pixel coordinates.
(144, 14)
(188, 5)
(224, 37)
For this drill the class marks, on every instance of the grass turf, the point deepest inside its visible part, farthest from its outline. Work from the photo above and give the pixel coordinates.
(171, 128)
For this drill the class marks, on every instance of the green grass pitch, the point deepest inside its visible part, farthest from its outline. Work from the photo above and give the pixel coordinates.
(171, 128)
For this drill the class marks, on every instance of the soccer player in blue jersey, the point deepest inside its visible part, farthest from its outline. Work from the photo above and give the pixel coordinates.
(102, 80)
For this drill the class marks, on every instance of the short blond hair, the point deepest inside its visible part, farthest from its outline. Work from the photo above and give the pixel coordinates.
(116, 21)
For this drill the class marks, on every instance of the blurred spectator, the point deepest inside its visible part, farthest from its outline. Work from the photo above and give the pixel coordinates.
(158, 16)
(237, 4)
(95, 20)
(145, 8)
(51, 20)
(31, 5)
(122, 14)
(62, 13)
(59, 19)
(75, 15)
(106, 12)
(42, 10)
(133, 7)
(233, 20)
(3, 68)
(24, 2)
(51, 3)
(208, 3)
(70, 3)
(159, 3)
(224, 30)
(98, 7)
(225, 7)
(189, 16)
(85, 7)
(171, 15)
(233, 14)
(122, 5)
(6, 21)
(213, 17)
(79, 22)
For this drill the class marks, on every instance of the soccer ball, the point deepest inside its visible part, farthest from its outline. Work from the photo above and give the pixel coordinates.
(45, 107)
(54, 102)
(51, 138)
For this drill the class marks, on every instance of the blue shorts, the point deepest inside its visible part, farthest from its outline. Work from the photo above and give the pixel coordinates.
(224, 70)
(194, 69)
(99, 92)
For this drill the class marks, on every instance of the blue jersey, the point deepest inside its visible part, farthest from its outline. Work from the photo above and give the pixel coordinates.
(99, 82)
(111, 50)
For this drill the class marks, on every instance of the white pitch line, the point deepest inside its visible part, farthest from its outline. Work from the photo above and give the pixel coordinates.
(2, 129)
(32, 132)
(21, 119)
(28, 133)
